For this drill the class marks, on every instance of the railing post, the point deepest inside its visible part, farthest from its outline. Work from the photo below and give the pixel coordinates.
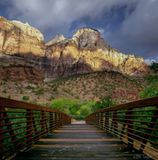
(129, 127)
(9, 127)
(57, 123)
(68, 120)
(1, 132)
(106, 126)
(29, 128)
(50, 122)
(93, 119)
(60, 120)
(55, 120)
(97, 119)
(101, 120)
(34, 126)
(46, 122)
(44, 128)
(22, 124)
(114, 125)
(151, 125)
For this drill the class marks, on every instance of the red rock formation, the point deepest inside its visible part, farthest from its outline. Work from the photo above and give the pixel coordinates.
(88, 48)
(86, 52)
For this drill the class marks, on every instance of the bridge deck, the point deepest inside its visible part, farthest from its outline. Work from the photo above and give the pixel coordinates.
(79, 142)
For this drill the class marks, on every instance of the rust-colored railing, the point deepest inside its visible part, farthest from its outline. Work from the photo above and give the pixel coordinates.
(22, 124)
(135, 123)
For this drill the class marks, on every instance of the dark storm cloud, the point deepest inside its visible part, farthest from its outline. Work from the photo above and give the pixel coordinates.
(136, 32)
(58, 15)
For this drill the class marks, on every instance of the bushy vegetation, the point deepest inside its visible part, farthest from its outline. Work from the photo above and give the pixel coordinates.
(151, 89)
(73, 107)
(25, 98)
(104, 102)
(80, 109)
(154, 67)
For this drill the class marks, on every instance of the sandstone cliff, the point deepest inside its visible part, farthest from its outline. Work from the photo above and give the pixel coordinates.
(19, 38)
(85, 52)
(88, 52)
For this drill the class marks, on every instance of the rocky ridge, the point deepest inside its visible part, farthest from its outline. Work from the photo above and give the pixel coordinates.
(86, 52)
(17, 38)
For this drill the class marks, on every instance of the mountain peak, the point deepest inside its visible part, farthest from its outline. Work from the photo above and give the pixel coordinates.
(56, 39)
(90, 39)
(86, 52)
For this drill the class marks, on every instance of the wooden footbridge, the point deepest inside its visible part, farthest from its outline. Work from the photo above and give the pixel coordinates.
(124, 132)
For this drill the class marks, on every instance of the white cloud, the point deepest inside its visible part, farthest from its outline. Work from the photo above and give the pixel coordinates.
(101, 30)
(150, 61)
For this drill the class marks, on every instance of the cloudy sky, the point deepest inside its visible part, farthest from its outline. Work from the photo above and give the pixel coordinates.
(131, 26)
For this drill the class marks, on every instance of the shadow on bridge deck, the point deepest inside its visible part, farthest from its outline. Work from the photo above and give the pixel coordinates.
(79, 141)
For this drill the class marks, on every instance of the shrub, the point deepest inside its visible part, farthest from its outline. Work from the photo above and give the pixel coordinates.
(152, 88)
(74, 107)
(25, 98)
(104, 103)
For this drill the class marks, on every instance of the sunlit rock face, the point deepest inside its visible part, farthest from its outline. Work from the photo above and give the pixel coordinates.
(22, 50)
(19, 38)
(89, 39)
(57, 39)
(88, 52)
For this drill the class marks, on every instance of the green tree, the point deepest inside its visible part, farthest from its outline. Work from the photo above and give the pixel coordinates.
(151, 89)
(154, 67)
(104, 103)
(74, 107)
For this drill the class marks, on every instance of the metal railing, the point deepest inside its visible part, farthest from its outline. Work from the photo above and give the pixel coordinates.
(22, 124)
(135, 123)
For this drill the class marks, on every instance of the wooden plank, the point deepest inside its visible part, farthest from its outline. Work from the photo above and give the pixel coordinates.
(77, 145)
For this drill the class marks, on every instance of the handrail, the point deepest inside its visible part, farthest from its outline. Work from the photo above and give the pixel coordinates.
(22, 124)
(135, 123)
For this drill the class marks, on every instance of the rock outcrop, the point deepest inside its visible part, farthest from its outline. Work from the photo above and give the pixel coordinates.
(86, 52)
(57, 39)
(19, 38)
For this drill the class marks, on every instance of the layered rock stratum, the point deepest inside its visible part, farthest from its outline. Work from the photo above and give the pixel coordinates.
(19, 38)
(86, 52)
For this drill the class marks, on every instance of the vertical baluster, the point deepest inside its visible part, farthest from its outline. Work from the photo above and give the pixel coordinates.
(151, 126)
(50, 122)
(69, 120)
(124, 121)
(55, 120)
(114, 125)
(34, 125)
(42, 123)
(60, 119)
(98, 123)
(101, 120)
(129, 120)
(1, 132)
(29, 127)
(93, 118)
(10, 129)
(106, 121)
(97, 119)
(46, 121)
